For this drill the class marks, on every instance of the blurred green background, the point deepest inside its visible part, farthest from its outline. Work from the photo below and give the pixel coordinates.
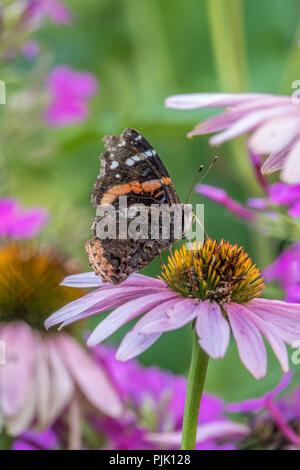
(141, 52)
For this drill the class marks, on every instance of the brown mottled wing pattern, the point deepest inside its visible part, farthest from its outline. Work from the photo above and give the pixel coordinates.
(130, 166)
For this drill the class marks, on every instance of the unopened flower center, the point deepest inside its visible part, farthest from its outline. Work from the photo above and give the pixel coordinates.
(266, 435)
(29, 283)
(215, 271)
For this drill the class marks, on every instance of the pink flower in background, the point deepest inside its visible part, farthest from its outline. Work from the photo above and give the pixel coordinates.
(56, 10)
(16, 222)
(43, 375)
(217, 296)
(30, 50)
(274, 421)
(156, 400)
(221, 197)
(284, 194)
(286, 271)
(273, 122)
(36, 440)
(69, 93)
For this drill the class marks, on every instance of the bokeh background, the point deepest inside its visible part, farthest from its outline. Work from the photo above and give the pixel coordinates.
(141, 52)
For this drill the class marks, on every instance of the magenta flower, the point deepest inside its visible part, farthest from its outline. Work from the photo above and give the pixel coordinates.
(286, 271)
(36, 440)
(273, 122)
(56, 10)
(274, 422)
(216, 285)
(16, 222)
(156, 399)
(69, 93)
(221, 197)
(43, 375)
(284, 194)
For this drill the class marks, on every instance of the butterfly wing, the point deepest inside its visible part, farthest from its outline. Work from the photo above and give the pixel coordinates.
(129, 167)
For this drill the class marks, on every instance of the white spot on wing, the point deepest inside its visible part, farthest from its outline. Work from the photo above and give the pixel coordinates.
(129, 161)
(118, 175)
(114, 165)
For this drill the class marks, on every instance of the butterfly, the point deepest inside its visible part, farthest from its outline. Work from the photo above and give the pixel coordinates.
(130, 167)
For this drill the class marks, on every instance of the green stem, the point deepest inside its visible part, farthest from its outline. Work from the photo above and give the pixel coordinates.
(197, 374)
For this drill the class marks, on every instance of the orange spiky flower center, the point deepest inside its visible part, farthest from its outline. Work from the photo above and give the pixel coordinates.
(216, 271)
(30, 283)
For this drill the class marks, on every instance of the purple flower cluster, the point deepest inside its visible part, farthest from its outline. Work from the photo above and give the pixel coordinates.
(69, 92)
(16, 222)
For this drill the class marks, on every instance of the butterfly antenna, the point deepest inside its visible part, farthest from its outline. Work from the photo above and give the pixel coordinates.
(209, 168)
(200, 181)
(193, 184)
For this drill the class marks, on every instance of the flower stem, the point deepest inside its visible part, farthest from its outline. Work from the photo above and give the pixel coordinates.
(197, 374)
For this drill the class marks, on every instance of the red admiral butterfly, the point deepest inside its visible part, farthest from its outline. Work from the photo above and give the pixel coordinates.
(130, 167)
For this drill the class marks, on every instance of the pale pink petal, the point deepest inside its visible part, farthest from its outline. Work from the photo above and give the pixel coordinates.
(98, 297)
(62, 386)
(90, 279)
(274, 135)
(90, 378)
(178, 315)
(19, 368)
(23, 419)
(275, 161)
(232, 115)
(284, 317)
(213, 330)
(272, 337)
(291, 171)
(213, 430)
(247, 124)
(43, 385)
(126, 312)
(211, 100)
(250, 344)
(134, 343)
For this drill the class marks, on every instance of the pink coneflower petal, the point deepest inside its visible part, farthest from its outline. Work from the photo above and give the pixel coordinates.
(43, 385)
(210, 100)
(291, 171)
(134, 343)
(112, 295)
(275, 161)
(213, 330)
(90, 378)
(250, 344)
(89, 279)
(285, 317)
(176, 316)
(271, 335)
(214, 430)
(125, 313)
(60, 381)
(19, 368)
(22, 420)
(275, 135)
(247, 124)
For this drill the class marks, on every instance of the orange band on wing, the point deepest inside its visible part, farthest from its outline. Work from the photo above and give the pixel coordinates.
(134, 187)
